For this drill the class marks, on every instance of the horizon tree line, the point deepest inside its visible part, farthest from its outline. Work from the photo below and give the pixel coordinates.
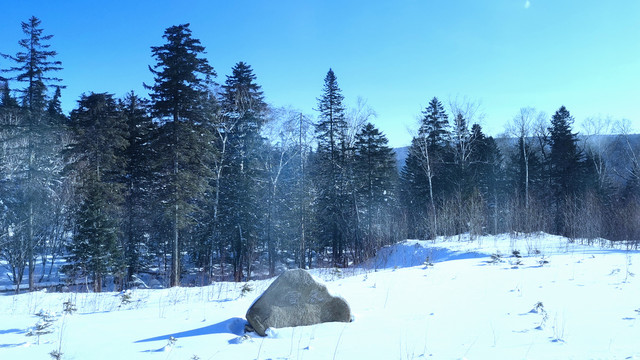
(205, 182)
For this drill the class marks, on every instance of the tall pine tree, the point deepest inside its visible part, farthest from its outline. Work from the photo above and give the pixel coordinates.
(486, 173)
(34, 67)
(376, 176)
(244, 109)
(424, 176)
(566, 166)
(181, 76)
(139, 178)
(330, 167)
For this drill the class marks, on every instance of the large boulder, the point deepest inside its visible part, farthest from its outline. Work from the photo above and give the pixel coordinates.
(296, 299)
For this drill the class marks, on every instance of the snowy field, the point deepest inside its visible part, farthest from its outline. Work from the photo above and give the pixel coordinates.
(473, 300)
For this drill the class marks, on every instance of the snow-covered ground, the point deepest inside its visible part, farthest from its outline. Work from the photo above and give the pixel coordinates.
(560, 300)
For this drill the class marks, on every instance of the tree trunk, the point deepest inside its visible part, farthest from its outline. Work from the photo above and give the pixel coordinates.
(30, 248)
(175, 251)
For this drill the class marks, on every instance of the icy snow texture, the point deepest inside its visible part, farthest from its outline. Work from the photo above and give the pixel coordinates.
(464, 306)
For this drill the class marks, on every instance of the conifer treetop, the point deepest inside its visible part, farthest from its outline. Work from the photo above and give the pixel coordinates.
(180, 74)
(34, 64)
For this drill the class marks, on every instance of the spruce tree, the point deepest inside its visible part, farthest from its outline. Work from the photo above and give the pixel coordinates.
(330, 167)
(54, 109)
(181, 76)
(425, 178)
(414, 192)
(486, 173)
(566, 165)
(435, 124)
(94, 249)
(565, 157)
(12, 249)
(376, 175)
(463, 142)
(7, 101)
(243, 109)
(97, 162)
(34, 67)
(138, 177)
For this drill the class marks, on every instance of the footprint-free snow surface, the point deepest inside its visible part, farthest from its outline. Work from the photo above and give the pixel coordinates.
(454, 298)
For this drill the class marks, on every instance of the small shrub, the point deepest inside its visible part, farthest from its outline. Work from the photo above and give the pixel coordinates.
(427, 261)
(56, 355)
(126, 298)
(69, 307)
(495, 258)
(515, 263)
(538, 308)
(172, 341)
(246, 289)
(43, 326)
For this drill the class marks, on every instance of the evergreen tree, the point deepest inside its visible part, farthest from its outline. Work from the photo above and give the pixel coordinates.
(138, 177)
(435, 125)
(425, 178)
(330, 167)
(97, 162)
(94, 249)
(376, 176)
(180, 144)
(180, 76)
(34, 66)
(414, 191)
(6, 100)
(628, 207)
(486, 172)
(565, 157)
(54, 109)
(40, 152)
(11, 250)
(463, 145)
(207, 241)
(244, 107)
(566, 165)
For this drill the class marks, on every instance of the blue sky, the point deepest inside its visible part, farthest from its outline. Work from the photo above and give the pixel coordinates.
(502, 54)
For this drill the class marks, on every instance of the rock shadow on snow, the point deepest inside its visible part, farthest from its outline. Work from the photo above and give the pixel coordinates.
(234, 326)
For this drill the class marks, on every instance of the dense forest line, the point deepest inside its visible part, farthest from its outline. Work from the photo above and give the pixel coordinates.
(206, 181)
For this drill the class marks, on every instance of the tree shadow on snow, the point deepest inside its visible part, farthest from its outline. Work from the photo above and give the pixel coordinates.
(12, 331)
(233, 326)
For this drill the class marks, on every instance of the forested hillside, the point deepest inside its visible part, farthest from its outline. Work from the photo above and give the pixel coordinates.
(202, 180)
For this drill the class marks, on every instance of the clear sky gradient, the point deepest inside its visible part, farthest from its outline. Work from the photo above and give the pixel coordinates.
(503, 54)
